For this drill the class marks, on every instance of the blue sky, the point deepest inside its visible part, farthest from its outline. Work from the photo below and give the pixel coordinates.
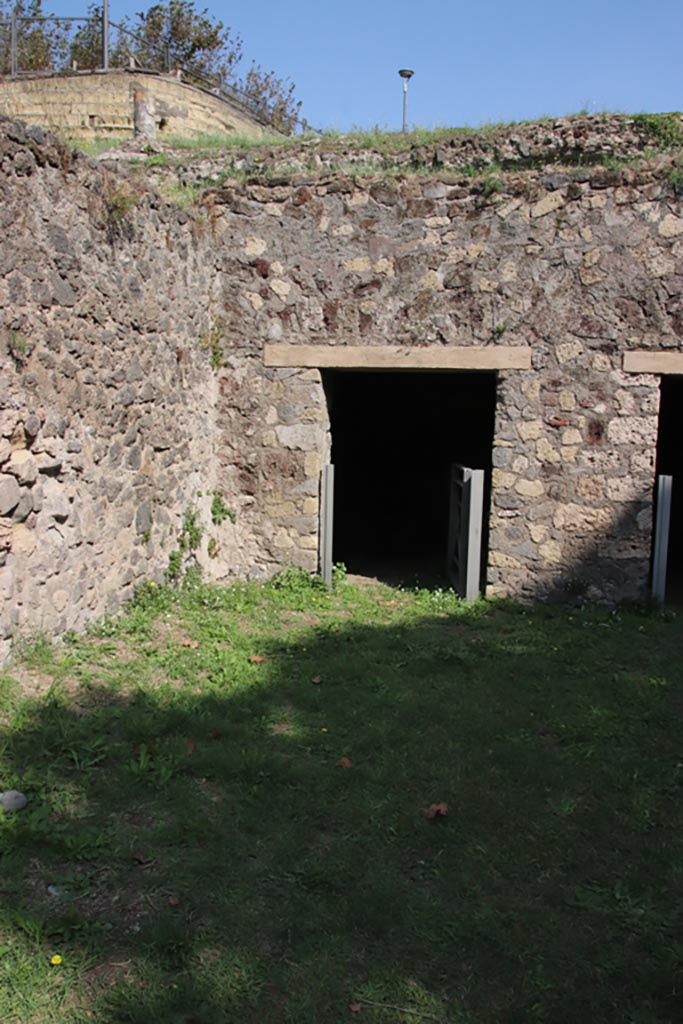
(493, 62)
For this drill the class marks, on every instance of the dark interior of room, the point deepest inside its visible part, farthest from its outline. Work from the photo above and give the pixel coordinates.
(670, 462)
(394, 438)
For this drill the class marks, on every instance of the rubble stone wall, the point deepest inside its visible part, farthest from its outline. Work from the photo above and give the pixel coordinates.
(114, 306)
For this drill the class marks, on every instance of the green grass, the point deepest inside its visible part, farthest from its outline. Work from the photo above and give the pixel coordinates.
(195, 853)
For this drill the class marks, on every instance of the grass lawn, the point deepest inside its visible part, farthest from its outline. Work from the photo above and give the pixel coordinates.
(236, 813)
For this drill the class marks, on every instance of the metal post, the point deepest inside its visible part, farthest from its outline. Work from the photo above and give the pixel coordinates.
(475, 496)
(105, 35)
(13, 46)
(326, 524)
(661, 551)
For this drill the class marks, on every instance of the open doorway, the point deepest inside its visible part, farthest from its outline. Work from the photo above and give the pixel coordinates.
(670, 463)
(395, 436)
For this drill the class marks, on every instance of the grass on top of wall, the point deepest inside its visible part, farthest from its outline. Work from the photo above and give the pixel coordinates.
(267, 803)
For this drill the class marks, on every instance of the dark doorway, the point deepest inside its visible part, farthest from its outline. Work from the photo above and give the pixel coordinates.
(670, 462)
(394, 438)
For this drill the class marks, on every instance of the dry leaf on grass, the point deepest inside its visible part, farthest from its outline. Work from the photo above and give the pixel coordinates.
(190, 643)
(256, 659)
(317, 680)
(215, 734)
(435, 811)
(344, 762)
(355, 1007)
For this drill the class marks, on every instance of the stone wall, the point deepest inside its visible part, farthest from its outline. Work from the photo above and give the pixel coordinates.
(89, 104)
(114, 305)
(578, 267)
(107, 413)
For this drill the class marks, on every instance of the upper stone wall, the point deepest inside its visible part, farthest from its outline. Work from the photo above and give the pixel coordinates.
(579, 142)
(89, 104)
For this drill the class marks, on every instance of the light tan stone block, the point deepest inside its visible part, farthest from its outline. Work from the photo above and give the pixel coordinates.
(506, 209)
(281, 288)
(529, 430)
(601, 363)
(546, 452)
(309, 543)
(670, 226)
(551, 552)
(581, 518)
(357, 265)
(568, 351)
(431, 281)
(530, 488)
(538, 532)
(502, 481)
(254, 246)
(312, 465)
(502, 561)
(553, 201)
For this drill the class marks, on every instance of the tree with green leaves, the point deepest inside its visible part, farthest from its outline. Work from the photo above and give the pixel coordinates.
(176, 35)
(41, 45)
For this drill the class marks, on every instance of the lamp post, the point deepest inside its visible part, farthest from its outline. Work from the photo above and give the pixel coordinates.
(406, 74)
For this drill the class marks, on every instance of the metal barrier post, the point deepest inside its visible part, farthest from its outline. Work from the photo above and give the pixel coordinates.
(661, 551)
(13, 46)
(326, 524)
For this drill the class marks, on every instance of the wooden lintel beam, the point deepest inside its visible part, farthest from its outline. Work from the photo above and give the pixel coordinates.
(395, 357)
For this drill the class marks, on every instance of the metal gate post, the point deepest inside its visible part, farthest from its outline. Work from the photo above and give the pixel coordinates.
(661, 551)
(326, 523)
(475, 482)
(465, 530)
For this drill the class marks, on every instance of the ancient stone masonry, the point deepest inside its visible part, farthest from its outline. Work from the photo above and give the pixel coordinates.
(121, 102)
(114, 306)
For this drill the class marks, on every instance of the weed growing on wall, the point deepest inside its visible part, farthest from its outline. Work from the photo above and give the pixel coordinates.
(210, 341)
(19, 346)
(119, 204)
(182, 562)
(665, 130)
(219, 510)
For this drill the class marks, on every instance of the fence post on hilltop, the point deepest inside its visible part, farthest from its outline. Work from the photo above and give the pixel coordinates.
(13, 46)
(105, 35)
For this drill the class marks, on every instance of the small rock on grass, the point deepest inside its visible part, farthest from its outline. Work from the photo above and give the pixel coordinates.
(12, 800)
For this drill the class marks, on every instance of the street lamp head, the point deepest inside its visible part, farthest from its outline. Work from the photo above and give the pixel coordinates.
(406, 73)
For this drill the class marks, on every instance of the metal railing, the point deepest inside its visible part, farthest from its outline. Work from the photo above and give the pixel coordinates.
(51, 45)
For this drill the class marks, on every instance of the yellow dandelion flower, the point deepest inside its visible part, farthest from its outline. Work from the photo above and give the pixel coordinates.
(324, 729)
(56, 960)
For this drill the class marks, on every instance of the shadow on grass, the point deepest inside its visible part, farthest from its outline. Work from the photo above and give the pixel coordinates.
(196, 846)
